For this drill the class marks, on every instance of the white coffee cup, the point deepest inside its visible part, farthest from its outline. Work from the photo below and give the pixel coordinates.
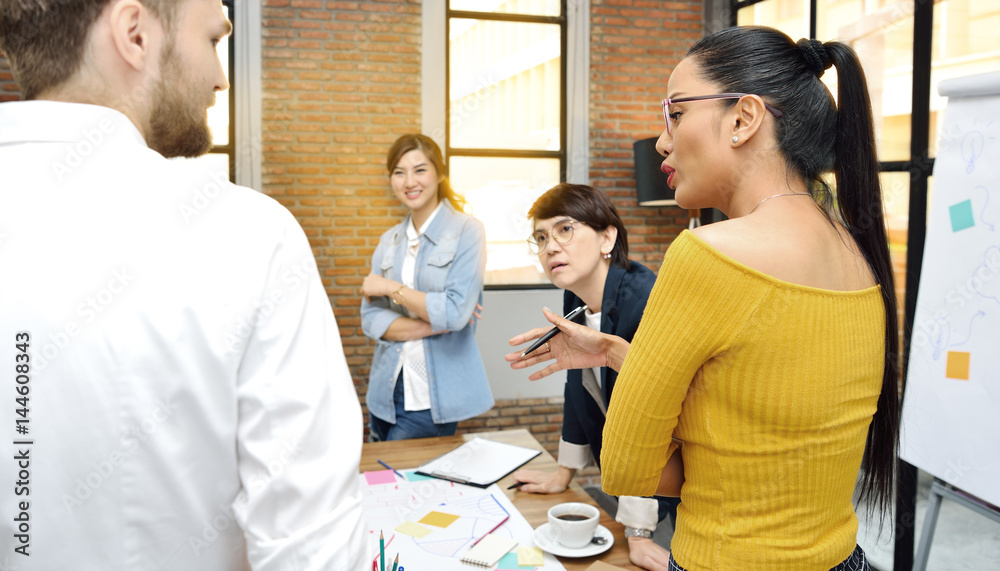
(573, 524)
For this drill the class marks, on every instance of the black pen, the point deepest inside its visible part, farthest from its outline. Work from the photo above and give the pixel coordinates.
(517, 485)
(552, 332)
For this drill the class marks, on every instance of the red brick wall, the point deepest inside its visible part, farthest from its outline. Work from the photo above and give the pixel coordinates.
(341, 83)
(634, 47)
(9, 91)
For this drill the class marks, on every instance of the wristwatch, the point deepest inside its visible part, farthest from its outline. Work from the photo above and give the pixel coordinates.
(398, 292)
(636, 532)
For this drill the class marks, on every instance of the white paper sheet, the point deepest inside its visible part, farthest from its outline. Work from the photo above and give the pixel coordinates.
(951, 412)
(386, 506)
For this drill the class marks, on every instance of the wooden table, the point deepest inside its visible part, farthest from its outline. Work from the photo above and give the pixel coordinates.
(408, 454)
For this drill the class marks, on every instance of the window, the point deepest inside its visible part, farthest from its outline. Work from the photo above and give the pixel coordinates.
(235, 119)
(958, 41)
(506, 120)
(221, 157)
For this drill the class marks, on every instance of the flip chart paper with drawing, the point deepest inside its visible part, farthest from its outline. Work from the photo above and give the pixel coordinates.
(386, 506)
(951, 412)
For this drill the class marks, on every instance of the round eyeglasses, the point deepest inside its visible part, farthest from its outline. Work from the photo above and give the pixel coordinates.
(561, 232)
(669, 119)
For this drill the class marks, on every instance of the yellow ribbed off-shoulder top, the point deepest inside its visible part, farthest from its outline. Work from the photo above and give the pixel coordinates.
(771, 387)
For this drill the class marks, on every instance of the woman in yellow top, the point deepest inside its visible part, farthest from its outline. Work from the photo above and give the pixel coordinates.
(767, 351)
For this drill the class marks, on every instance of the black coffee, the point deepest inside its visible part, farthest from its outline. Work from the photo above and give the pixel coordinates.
(572, 517)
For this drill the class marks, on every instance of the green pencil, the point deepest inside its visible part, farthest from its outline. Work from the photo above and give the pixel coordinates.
(395, 563)
(381, 550)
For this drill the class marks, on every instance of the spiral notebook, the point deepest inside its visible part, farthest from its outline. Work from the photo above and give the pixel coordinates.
(489, 550)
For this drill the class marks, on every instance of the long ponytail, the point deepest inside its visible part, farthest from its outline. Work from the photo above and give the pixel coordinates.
(859, 200)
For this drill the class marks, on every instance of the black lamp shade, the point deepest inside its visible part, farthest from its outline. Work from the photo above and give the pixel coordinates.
(650, 182)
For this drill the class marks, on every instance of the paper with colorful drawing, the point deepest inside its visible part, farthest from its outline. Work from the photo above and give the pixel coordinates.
(432, 523)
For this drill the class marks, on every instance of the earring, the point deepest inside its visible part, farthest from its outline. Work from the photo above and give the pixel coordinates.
(607, 255)
(735, 139)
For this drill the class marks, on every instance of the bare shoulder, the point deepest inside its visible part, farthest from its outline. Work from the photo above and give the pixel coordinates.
(744, 242)
(802, 250)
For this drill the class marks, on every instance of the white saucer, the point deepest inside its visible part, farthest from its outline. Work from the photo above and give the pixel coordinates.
(545, 542)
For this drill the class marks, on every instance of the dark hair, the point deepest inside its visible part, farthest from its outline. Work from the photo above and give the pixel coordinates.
(813, 137)
(426, 145)
(588, 205)
(45, 39)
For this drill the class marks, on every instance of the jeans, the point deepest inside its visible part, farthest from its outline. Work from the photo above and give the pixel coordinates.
(409, 423)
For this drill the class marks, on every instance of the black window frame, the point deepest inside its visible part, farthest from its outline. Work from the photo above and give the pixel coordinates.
(229, 149)
(561, 154)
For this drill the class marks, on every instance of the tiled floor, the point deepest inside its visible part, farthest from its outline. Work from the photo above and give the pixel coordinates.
(963, 539)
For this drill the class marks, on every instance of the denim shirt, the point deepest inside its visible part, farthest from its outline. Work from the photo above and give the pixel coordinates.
(451, 262)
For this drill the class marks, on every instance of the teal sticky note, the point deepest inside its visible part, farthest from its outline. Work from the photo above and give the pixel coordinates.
(961, 216)
(412, 476)
(509, 562)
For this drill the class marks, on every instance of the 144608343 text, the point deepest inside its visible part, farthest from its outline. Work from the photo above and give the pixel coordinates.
(22, 442)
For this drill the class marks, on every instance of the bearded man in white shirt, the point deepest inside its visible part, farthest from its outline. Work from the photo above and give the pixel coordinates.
(182, 397)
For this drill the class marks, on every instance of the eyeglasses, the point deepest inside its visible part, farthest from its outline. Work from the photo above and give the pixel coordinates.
(562, 233)
(667, 102)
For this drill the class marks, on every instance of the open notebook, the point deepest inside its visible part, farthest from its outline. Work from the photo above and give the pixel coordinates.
(478, 462)
(489, 550)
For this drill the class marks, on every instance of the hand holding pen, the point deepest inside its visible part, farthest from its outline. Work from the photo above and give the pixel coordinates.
(576, 347)
(544, 339)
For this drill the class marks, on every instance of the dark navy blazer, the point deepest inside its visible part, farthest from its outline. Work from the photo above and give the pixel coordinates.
(625, 295)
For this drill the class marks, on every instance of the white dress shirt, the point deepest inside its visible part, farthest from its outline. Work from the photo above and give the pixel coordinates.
(190, 404)
(416, 388)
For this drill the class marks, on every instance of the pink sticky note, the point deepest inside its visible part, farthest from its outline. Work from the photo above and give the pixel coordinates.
(380, 477)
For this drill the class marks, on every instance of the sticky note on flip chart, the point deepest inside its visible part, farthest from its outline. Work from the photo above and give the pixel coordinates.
(529, 556)
(380, 477)
(509, 562)
(413, 529)
(961, 216)
(958, 365)
(439, 519)
(412, 476)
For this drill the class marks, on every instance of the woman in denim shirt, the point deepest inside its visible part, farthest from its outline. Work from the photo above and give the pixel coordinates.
(420, 304)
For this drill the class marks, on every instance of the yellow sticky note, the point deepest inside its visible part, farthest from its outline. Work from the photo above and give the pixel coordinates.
(439, 519)
(958, 365)
(413, 529)
(529, 556)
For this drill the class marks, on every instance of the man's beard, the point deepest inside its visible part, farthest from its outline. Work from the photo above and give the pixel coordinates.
(178, 127)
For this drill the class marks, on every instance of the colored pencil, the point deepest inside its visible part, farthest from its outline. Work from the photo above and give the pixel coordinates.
(503, 521)
(388, 467)
(497, 526)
